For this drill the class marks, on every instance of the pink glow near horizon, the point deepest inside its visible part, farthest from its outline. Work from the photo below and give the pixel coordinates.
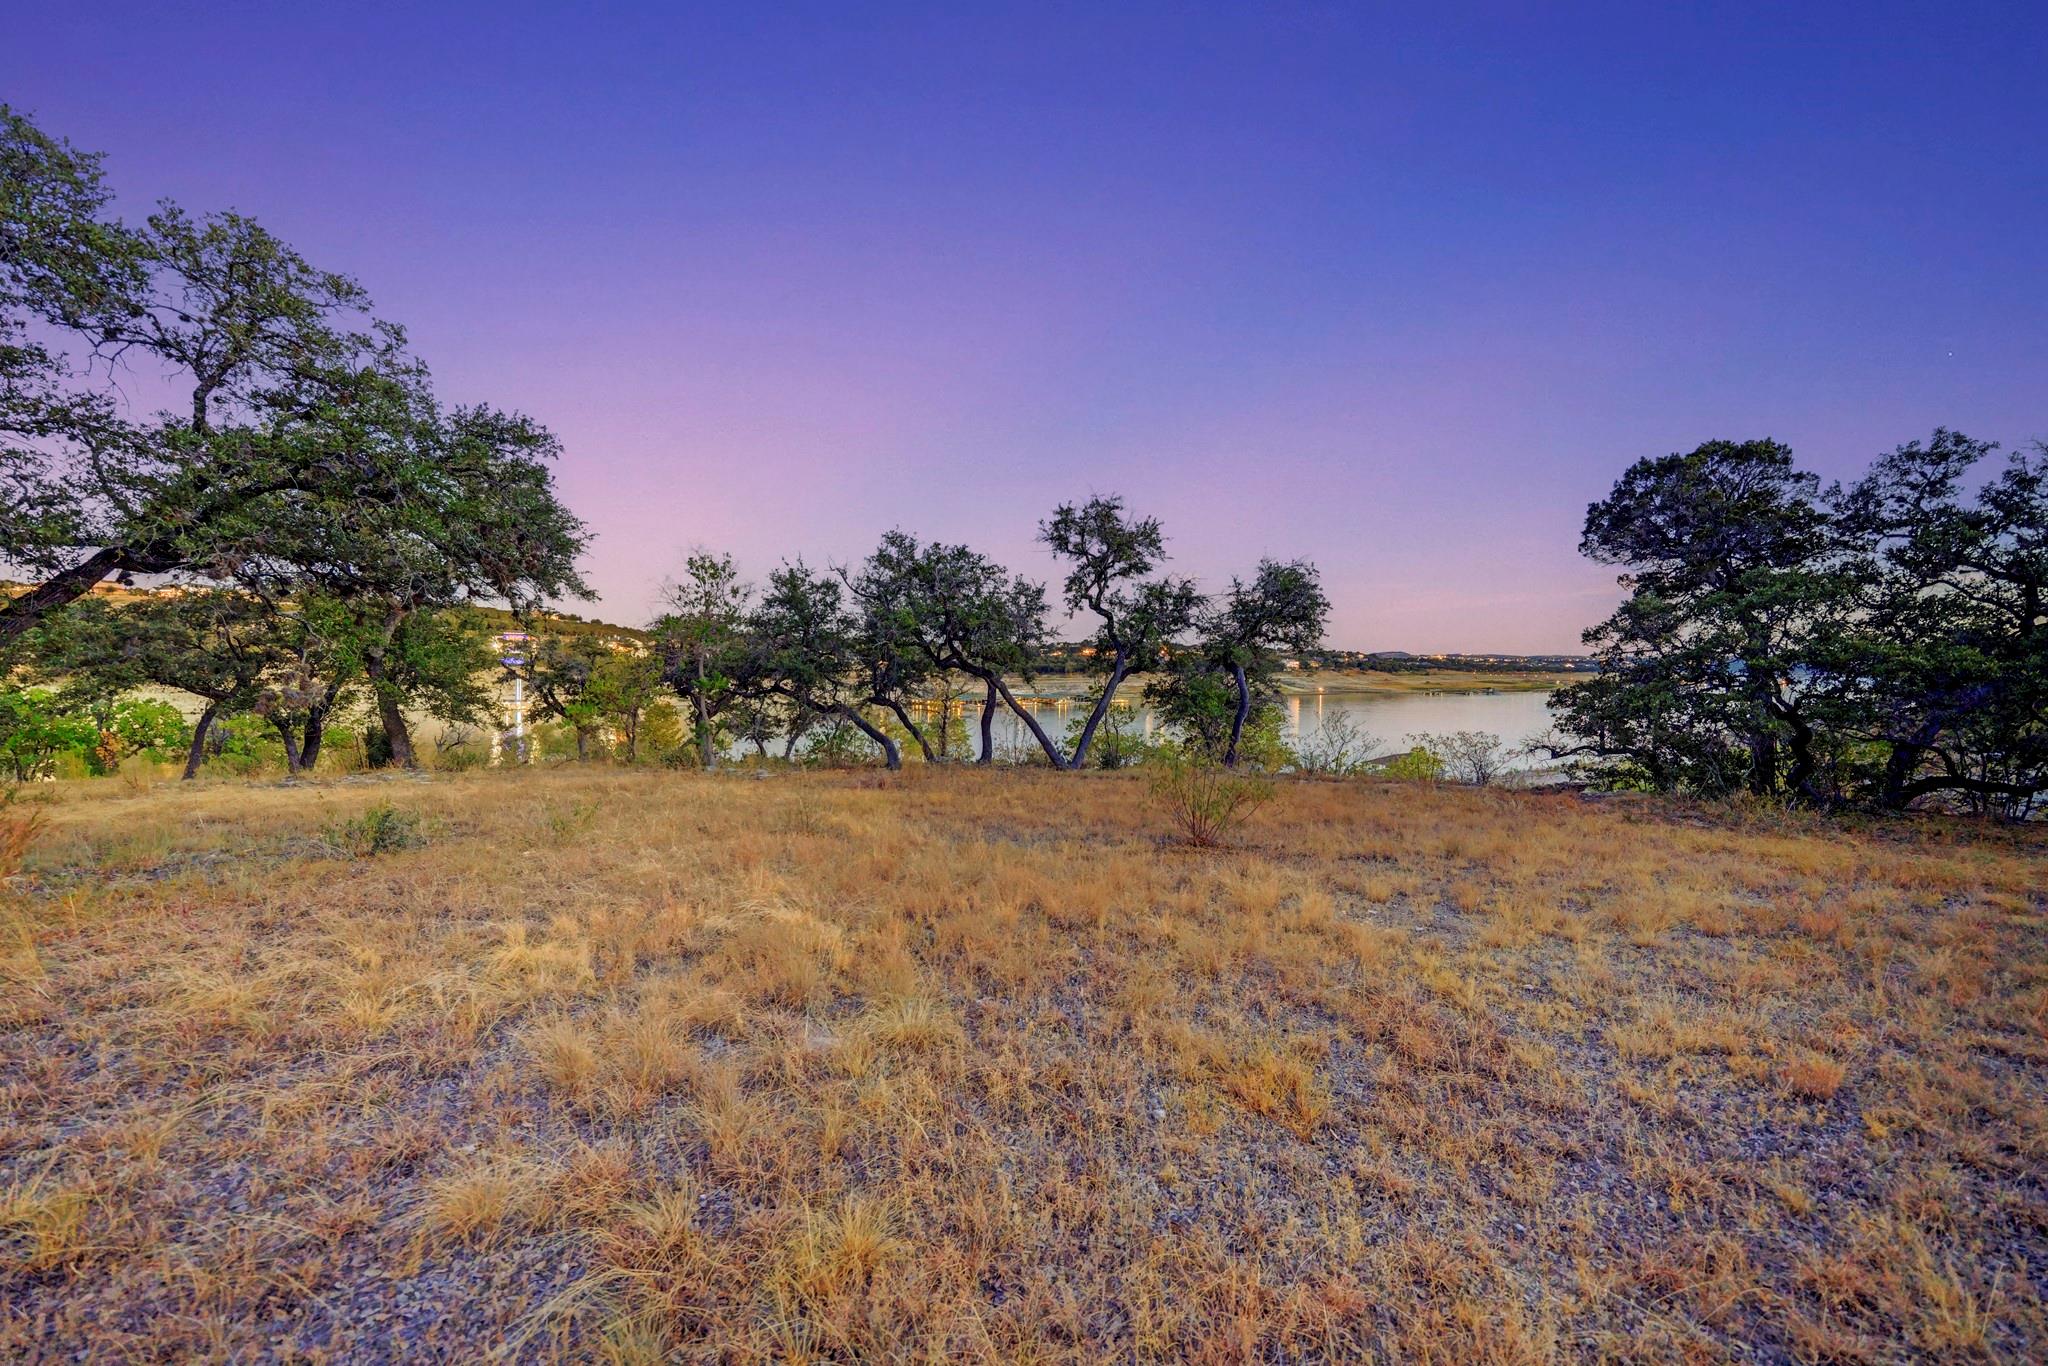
(1401, 297)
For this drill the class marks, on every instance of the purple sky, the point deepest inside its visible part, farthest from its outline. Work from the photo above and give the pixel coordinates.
(1400, 295)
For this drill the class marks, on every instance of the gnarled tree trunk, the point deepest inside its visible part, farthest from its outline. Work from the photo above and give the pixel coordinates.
(200, 730)
(65, 586)
(1052, 751)
(283, 726)
(1243, 713)
(988, 727)
(316, 731)
(1100, 710)
(911, 728)
(891, 755)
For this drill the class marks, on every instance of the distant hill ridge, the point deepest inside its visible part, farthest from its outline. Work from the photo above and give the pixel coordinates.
(1061, 656)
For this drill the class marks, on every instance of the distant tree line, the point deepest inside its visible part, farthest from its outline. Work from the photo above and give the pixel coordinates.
(331, 530)
(335, 537)
(874, 645)
(1880, 643)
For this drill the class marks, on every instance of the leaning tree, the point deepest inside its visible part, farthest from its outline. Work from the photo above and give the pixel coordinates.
(1281, 607)
(247, 333)
(956, 610)
(1113, 559)
(805, 647)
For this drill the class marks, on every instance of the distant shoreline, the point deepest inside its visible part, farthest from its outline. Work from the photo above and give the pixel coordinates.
(1328, 683)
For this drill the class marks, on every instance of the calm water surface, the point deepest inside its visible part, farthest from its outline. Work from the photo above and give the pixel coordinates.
(1388, 720)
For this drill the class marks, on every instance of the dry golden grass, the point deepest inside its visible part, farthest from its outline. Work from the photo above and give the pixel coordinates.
(953, 1064)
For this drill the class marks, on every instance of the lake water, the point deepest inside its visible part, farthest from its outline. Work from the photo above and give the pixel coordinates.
(1388, 719)
(1384, 721)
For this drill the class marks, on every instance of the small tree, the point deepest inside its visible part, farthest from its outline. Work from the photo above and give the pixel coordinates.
(1282, 607)
(804, 648)
(1335, 749)
(702, 643)
(562, 676)
(36, 727)
(625, 684)
(1137, 617)
(956, 610)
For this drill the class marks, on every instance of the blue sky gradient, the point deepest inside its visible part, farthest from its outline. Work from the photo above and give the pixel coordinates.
(1398, 288)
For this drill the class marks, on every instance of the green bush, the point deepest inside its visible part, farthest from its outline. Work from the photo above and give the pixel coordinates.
(837, 743)
(1417, 765)
(36, 727)
(244, 743)
(145, 726)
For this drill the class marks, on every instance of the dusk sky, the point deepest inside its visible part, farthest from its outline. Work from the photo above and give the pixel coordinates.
(1401, 294)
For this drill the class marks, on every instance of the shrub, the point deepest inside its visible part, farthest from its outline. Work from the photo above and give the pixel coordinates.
(837, 743)
(244, 743)
(1468, 756)
(1417, 765)
(36, 727)
(1206, 802)
(379, 830)
(145, 726)
(458, 749)
(1335, 749)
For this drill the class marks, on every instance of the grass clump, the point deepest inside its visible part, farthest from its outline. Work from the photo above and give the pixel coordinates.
(382, 829)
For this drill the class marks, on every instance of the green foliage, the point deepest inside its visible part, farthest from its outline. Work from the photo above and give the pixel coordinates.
(1206, 802)
(661, 731)
(702, 644)
(1417, 765)
(1263, 745)
(36, 727)
(836, 743)
(244, 743)
(381, 829)
(947, 727)
(1198, 704)
(1119, 741)
(1877, 644)
(1112, 558)
(928, 609)
(314, 469)
(144, 726)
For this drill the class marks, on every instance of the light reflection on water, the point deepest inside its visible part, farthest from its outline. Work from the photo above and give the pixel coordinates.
(1384, 721)
(1387, 719)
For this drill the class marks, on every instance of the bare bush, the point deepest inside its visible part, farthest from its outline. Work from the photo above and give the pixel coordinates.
(1335, 749)
(1477, 757)
(1207, 802)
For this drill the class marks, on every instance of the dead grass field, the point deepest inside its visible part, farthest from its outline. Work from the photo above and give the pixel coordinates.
(954, 1065)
